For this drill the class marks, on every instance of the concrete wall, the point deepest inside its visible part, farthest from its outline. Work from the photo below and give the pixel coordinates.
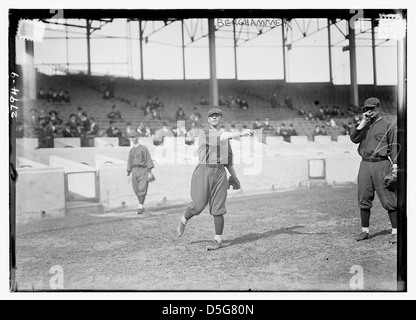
(342, 168)
(40, 190)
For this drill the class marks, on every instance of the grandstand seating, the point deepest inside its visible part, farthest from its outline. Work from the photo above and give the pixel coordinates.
(130, 95)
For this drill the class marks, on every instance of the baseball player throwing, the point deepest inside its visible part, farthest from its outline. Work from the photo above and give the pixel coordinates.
(209, 182)
(378, 150)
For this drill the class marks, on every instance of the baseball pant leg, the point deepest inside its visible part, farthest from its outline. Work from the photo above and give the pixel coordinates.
(200, 190)
(365, 186)
(218, 192)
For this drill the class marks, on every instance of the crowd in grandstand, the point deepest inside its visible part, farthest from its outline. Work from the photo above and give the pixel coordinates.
(53, 95)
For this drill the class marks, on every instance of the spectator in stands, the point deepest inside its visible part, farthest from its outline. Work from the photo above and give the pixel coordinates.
(114, 114)
(233, 103)
(345, 130)
(192, 134)
(180, 114)
(143, 131)
(195, 117)
(334, 112)
(130, 132)
(233, 128)
(309, 115)
(316, 131)
(49, 95)
(203, 101)
(66, 98)
(45, 135)
(112, 131)
(106, 94)
(71, 128)
(41, 94)
(94, 127)
(55, 97)
(148, 106)
(274, 101)
(43, 117)
(257, 125)
(320, 114)
(161, 134)
(79, 115)
(244, 104)
(158, 105)
(267, 126)
(61, 95)
(301, 112)
(155, 114)
(327, 112)
(222, 101)
(283, 131)
(292, 130)
(180, 130)
(323, 131)
(288, 102)
(332, 123)
(54, 118)
(85, 125)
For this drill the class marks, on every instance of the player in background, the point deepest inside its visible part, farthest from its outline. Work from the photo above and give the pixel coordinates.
(140, 165)
(209, 182)
(378, 150)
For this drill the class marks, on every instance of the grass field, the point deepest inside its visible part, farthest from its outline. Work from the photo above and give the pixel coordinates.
(300, 240)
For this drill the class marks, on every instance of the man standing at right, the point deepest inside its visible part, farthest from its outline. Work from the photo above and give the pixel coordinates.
(378, 149)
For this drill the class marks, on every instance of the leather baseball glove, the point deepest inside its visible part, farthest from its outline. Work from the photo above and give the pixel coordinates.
(150, 177)
(390, 181)
(234, 182)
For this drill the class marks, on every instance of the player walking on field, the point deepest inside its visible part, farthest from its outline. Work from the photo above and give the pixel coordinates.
(140, 165)
(378, 149)
(209, 182)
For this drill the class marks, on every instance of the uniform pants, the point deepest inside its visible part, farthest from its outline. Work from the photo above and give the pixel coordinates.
(209, 186)
(371, 179)
(139, 181)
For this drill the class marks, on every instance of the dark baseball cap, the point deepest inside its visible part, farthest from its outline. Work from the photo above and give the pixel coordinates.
(372, 103)
(214, 111)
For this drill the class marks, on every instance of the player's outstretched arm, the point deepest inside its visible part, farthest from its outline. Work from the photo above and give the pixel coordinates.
(233, 135)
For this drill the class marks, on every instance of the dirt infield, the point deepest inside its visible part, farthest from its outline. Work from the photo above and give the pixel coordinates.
(299, 240)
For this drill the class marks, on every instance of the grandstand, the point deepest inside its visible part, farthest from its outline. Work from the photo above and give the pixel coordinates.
(130, 96)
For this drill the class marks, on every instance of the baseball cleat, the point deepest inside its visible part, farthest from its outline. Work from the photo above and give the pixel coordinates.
(140, 211)
(393, 239)
(214, 246)
(362, 236)
(180, 228)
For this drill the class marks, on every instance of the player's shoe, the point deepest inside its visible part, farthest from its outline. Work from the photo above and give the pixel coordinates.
(393, 239)
(140, 210)
(180, 228)
(362, 236)
(214, 246)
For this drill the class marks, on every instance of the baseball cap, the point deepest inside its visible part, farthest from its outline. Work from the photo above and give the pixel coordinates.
(372, 103)
(214, 110)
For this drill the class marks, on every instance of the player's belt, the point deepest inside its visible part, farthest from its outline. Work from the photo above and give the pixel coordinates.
(212, 165)
(378, 159)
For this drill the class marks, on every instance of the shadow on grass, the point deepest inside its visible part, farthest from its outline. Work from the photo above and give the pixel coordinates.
(380, 233)
(257, 236)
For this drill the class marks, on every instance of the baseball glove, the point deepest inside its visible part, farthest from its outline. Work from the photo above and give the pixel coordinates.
(390, 181)
(150, 177)
(234, 182)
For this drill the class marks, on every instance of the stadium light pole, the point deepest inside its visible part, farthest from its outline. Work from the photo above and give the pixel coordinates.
(141, 49)
(88, 47)
(235, 51)
(331, 78)
(284, 50)
(183, 50)
(373, 47)
(213, 82)
(353, 64)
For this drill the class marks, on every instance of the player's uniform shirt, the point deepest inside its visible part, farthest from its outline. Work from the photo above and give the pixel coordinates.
(211, 150)
(378, 140)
